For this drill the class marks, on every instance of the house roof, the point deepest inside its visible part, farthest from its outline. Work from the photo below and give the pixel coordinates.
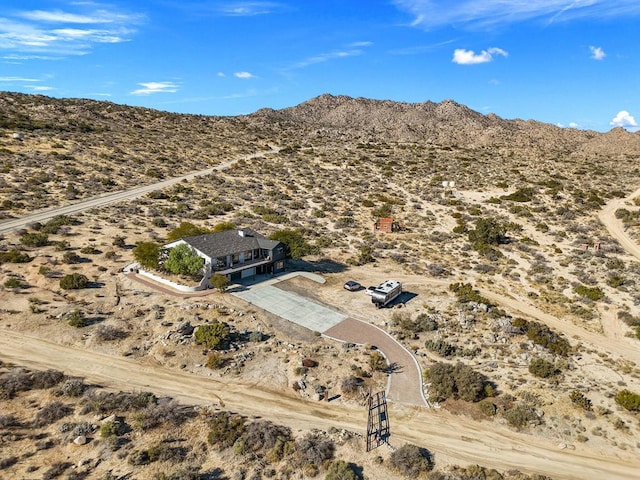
(385, 220)
(229, 242)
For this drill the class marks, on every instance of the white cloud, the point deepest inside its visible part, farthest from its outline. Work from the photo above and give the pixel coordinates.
(623, 119)
(325, 57)
(155, 87)
(31, 34)
(469, 57)
(573, 125)
(18, 79)
(41, 88)
(491, 13)
(248, 9)
(597, 53)
(243, 75)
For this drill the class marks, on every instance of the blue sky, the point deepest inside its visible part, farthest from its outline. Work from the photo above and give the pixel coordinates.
(569, 63)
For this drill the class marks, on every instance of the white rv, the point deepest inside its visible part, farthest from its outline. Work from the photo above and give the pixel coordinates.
(385, 293)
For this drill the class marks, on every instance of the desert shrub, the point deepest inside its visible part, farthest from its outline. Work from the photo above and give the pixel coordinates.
(457, 381)
(77, 319)
(186, 229)
(313, 449)
(46, 379)
(261, 436)
(108, 333)
(163, 412)
(628, 400)
(70, 258)
(629, 319)
(52, 412)
(15, 283)
(542, 368)
(341, 470)
(544, 336)
(351, 384)
(256, 337)
(34, 239)
(296, 246)
(223, 227)
(74, 281)
(8, 421)
(16, 381)
(219, 282)
(215, 335)
(520, 415)
(56, 470)
(119, 241)
(14, 256)
(580, 400)
(592, 293)
(54, 225)
(488, 408)
(488, 232)
(411, 461)
(215, 360)
(108, 402)
(225, 429)
(110, 429)
(441, 347)
(90, 250)
(139, 457)
(466, 293)
(147, 254)
(425, 323)
(377, 362)
(524, 194)
(73, 387)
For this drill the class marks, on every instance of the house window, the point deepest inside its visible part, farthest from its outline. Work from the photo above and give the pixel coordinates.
(279, 265)
(235, 258)
(248, 255)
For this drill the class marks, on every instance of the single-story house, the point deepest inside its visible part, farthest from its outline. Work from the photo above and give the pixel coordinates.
(236, 254)
(386, 225)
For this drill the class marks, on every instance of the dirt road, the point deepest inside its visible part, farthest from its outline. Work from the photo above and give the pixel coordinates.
(615, 227)
(452, 439)
(110, 198)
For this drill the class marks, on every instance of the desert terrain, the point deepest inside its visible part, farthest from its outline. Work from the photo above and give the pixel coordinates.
(523, 270)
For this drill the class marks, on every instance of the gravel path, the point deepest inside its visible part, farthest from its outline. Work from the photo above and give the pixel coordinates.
(405, 379)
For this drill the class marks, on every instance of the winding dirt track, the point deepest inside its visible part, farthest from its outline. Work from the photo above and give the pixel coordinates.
(615, 227)
(452, 439)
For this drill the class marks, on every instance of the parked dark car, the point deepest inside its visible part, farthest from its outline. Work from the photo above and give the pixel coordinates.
(352, 286)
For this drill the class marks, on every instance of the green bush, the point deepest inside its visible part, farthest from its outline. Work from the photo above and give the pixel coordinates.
(147, 254)
(488, 232)
(628, 400)
(580, 400)
(592, 293)
(215, 335)
(77, 319)
(184, 261)
(74, 281)
(457, 381)
(186, 229)
(35, 239)
(14, 282)
(466, 293)
(220, 282)
(225, 429)
(520, 415)
(411, 460)
(441, 347)
(544, 336)
(14, 256)
(524, 194)
(341, 470)
(542, 368)
(295, 243)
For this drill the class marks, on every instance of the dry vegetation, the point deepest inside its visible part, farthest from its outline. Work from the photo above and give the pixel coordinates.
(516, 226)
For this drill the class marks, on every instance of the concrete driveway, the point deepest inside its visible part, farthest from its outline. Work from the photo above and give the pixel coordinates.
(288, 305)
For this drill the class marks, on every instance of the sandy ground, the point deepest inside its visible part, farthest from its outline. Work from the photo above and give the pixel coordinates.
(452, 438)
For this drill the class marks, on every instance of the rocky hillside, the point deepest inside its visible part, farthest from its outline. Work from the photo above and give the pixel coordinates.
(445, 123)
